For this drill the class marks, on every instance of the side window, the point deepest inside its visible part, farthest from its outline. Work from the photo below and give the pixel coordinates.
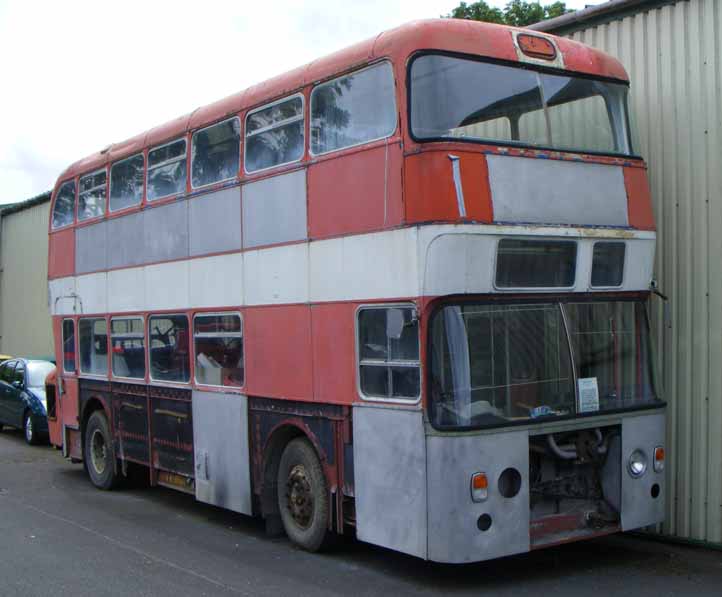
(64, 209)
(218, 343)
(69, 346)
(274, 134)
(19, 374)
(6, 371)
(126, 182)
(169, 342)
(388, 351)
(215, 153)
(354, 109)
(167, 170)
(91, 196)
(93, 345)
(127, 341)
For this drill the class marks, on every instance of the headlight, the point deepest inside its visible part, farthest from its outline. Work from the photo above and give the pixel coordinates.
(637, 464)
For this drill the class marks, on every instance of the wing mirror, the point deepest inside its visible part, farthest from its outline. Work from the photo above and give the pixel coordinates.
(17, 384)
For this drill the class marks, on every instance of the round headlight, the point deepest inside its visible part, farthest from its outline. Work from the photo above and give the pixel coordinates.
(637, 463)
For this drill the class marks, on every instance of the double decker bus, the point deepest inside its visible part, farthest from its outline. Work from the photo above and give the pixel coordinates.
(400, 291)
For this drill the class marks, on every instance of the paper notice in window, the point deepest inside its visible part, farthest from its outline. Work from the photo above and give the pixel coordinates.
(588, 394)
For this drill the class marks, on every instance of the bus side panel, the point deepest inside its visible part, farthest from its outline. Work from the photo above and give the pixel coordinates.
(221, 448)
(390, 477)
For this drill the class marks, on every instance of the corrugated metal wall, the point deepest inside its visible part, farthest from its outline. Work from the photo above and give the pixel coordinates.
(674, 57)
(25, 325)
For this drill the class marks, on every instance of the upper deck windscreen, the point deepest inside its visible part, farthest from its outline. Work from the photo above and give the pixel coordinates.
(466, 99)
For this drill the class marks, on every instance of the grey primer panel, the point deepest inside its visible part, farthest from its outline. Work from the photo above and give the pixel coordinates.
(453, 533)
(125, 240)
(390, 478)
(542, 191)
(639, 508)
(165, 231)
(215, 222)
(220, 444)
(90, 247)
(274, 210)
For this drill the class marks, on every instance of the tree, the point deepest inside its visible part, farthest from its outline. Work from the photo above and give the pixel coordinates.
(518, 13)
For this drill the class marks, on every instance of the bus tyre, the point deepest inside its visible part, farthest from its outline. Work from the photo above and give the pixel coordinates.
(99, 457)
(303, 495)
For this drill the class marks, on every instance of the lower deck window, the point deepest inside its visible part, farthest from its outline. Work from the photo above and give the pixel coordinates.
(388, 348)
(169, 358)
(93, 344)
(219, 349)
(69, 346)
(128, 346)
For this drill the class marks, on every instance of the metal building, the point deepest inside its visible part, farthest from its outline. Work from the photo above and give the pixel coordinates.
(25, 326)
(673, 52)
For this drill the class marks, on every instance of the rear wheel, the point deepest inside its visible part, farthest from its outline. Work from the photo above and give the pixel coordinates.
(303, 495)
(99, 457)
(31, 437)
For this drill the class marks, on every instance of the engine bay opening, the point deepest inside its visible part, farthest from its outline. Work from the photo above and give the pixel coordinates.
(575, 484)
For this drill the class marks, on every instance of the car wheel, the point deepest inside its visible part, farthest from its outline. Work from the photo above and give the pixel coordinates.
(98, 452)
(31, 437)
(303, 495)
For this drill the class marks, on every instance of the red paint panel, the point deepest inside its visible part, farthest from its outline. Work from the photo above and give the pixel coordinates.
(355, 192)
(334, 353)
(430, 194)
(278, 350)
(639, 200)
(61, 253)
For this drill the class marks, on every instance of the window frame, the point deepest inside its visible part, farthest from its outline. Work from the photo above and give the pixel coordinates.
(110, 182)
(302, 118)
(535, 67)
(624, 264)
(240, 334)
(75, 345)
(189, 174)
(145, 347)
(341, 76)
(149, 370)
(105, 201)
(387, 364)
(507, 289)
(148, 168)
(75, 205)
(80, 371)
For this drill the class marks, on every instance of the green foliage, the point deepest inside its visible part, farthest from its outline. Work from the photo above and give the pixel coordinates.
(518, 13)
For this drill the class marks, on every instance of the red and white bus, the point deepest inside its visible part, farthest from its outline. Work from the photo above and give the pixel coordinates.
(400, 290)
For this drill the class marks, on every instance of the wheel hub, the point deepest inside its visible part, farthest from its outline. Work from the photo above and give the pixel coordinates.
(299, 496)
(98, 451)
(29, 429)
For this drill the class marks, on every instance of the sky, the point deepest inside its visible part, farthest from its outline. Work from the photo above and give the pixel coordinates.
(79, 75)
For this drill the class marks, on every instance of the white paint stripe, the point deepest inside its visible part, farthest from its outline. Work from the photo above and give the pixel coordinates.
(408, 262)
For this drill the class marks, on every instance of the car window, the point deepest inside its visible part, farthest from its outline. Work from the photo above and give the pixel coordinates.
(6, 371)
(19, 373)
(37, 372)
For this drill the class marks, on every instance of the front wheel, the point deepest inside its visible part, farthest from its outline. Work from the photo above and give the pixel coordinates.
(29, 430)
(303, 495)
(98, 452)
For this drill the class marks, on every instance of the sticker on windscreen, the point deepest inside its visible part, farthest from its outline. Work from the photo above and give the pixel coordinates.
(588, 394)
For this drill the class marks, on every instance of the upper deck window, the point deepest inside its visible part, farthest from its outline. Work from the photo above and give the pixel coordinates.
(126, 182)
(215, 153)
(91, 198)
(458, 98)
(274, 134)
(64, 210)
(353, 109)
(522, 263)
(167, 170)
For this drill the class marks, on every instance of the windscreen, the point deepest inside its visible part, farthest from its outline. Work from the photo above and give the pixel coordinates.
(460, 98)
(501, 364)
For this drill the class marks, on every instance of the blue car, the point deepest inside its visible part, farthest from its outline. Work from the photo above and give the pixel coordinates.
(22, 397)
